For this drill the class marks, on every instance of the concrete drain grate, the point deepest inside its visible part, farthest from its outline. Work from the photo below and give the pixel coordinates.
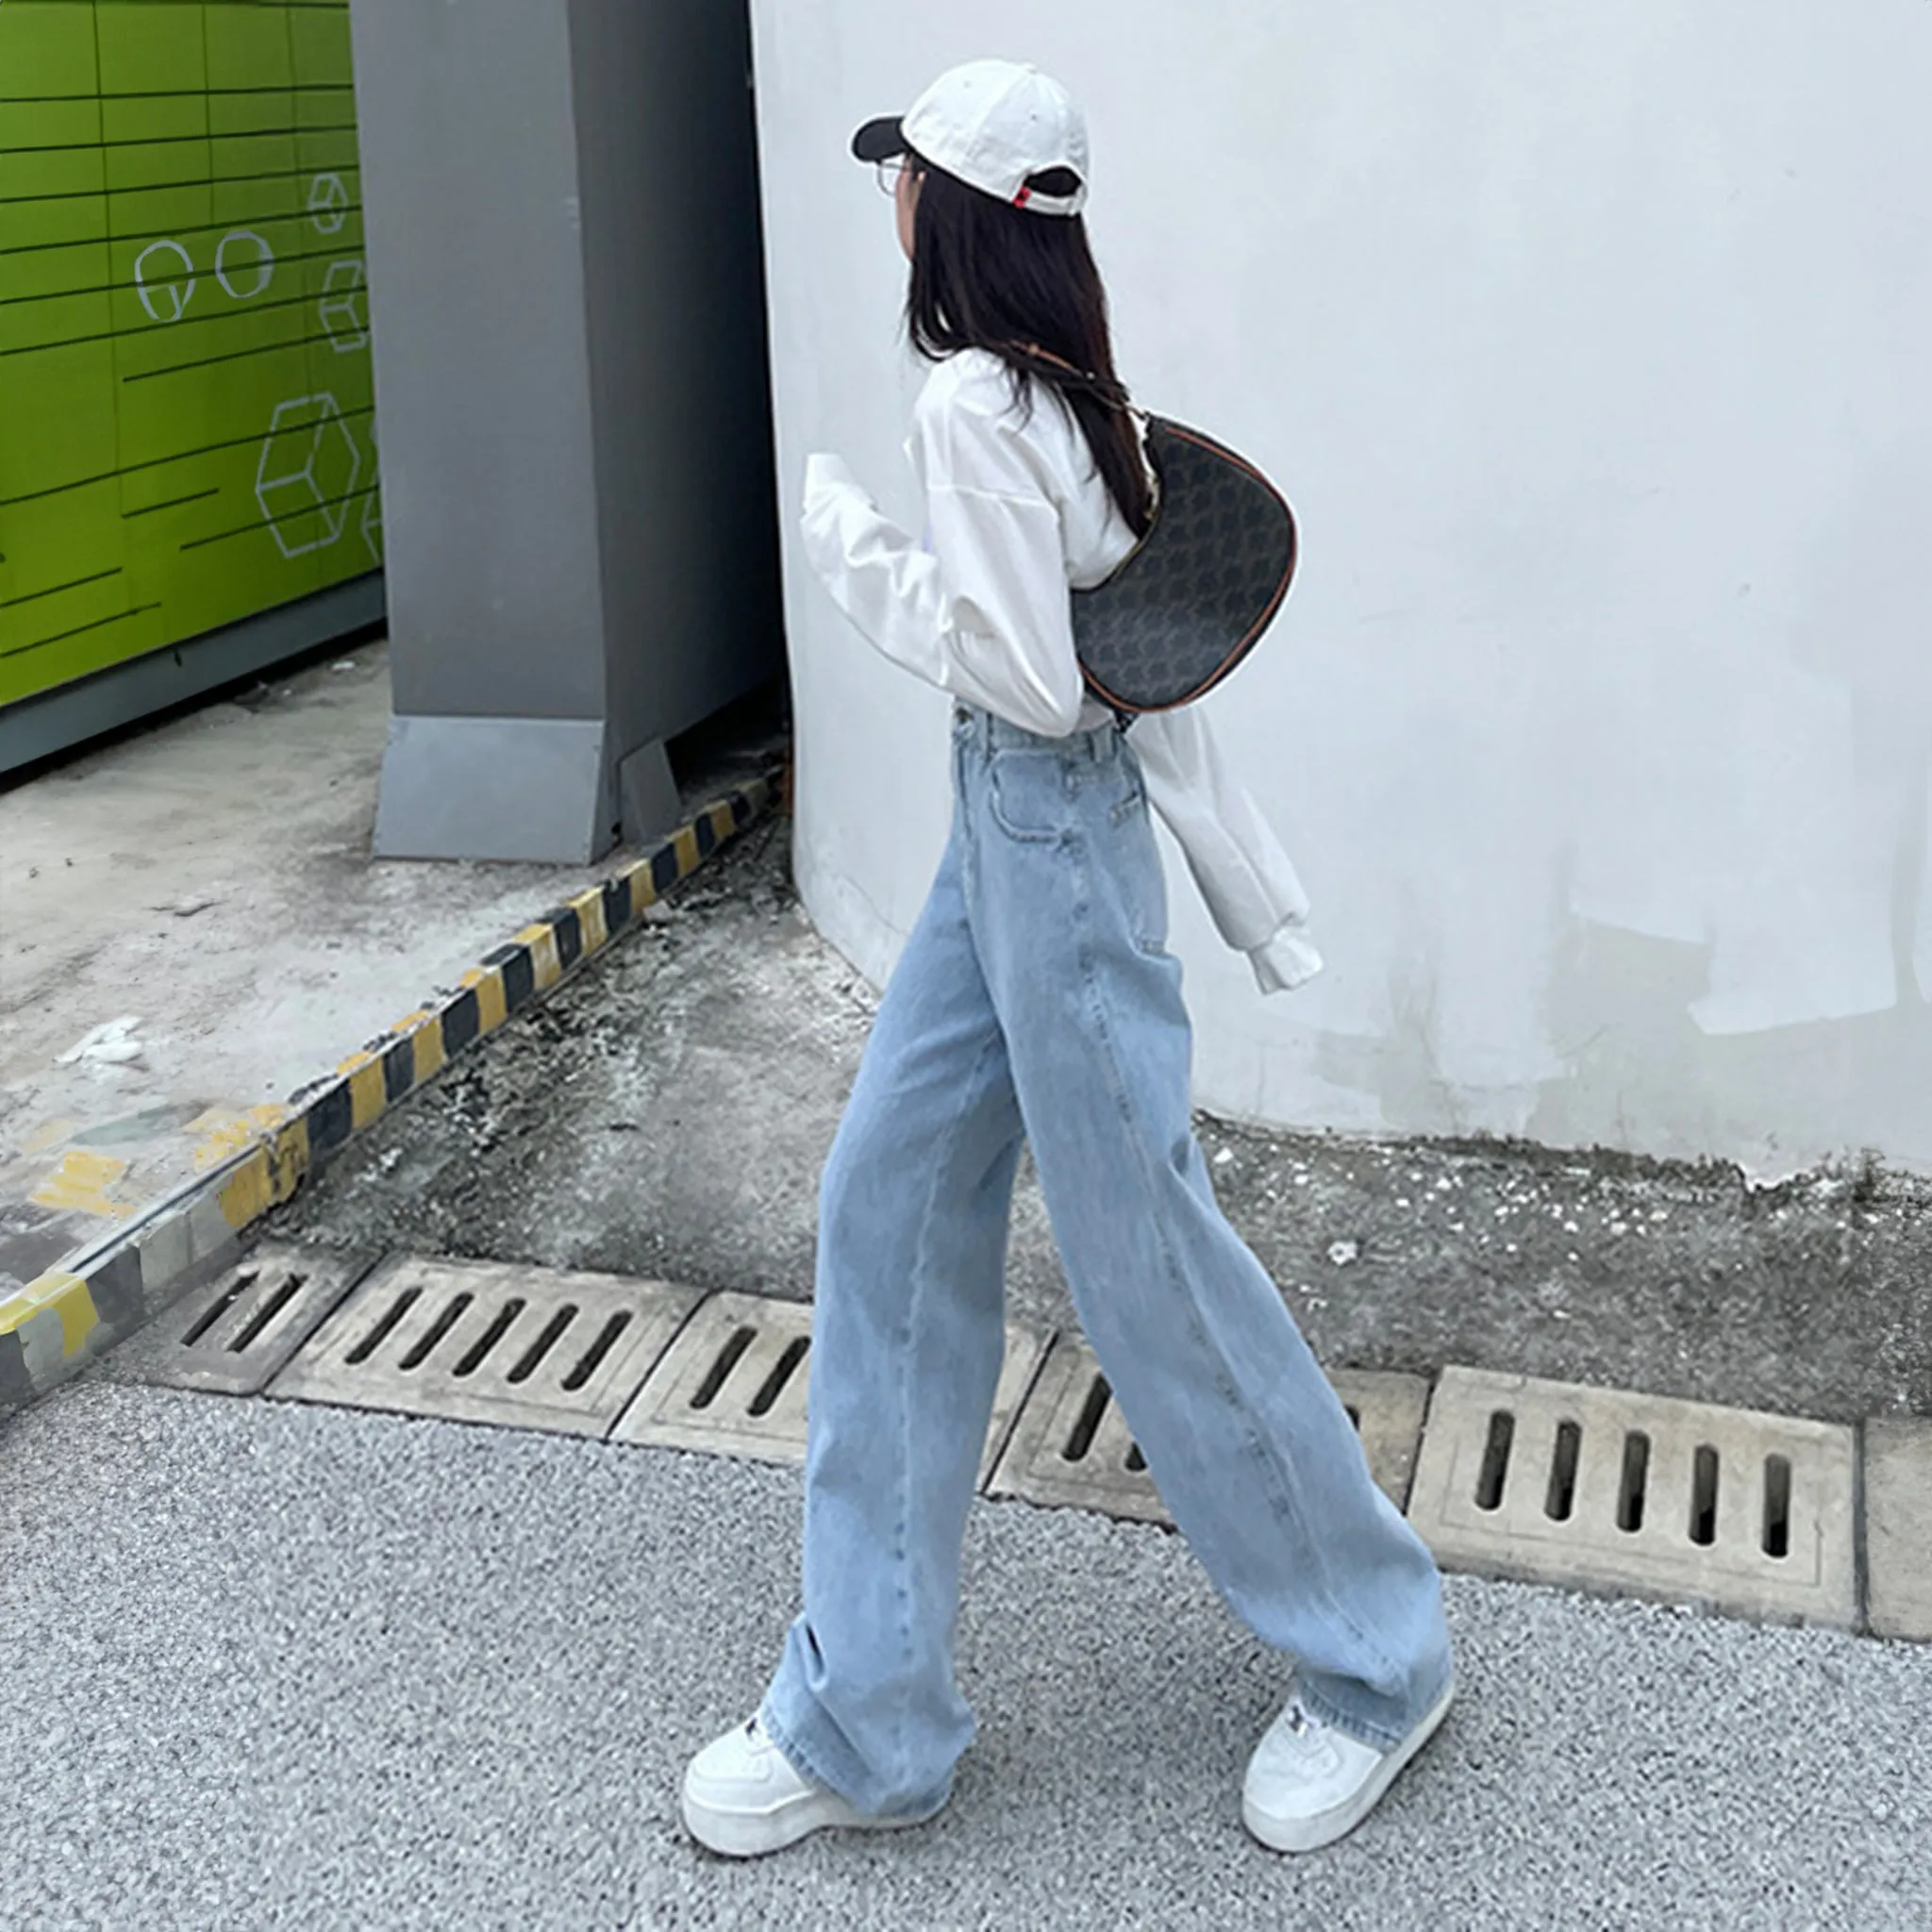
(1555, 1483)
(231, 1334)
(1072, 1445)
(733, 1383)
(488, 1341)
(1898, 1526)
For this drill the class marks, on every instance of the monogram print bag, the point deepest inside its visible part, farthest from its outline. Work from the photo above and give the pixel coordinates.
(1194, 596)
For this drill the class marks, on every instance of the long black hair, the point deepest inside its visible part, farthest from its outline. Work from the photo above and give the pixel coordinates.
(988, 276)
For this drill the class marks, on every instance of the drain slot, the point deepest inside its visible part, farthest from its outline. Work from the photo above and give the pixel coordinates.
(420, 1351)
(1704, 1468)
(774, 1384)
(1630, 1490)
(1086, 1423)
(1560, 1498)
(720, 1372)
(1495, 1465)
(552, 1334)
(243, 1280)
(486, 1341)
(593, 1356)
(1777, 1507)
(366, 1348)
(271, 1305)
(479, 1351)
(1636, 1495)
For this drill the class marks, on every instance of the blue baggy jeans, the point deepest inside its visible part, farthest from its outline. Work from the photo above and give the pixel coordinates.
(1036, 1000)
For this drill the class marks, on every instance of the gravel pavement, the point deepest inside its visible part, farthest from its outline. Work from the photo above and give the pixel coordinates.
(275, 1665)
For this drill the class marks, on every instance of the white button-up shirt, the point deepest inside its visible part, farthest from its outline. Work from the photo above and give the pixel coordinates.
(1017, 514)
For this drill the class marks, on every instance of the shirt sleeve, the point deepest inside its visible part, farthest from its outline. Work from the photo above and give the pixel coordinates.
(1247, 880)
(985, 613)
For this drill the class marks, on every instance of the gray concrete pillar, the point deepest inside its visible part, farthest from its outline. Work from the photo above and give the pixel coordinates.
(567, 296)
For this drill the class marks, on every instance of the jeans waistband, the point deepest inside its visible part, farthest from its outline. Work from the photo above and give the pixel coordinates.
(990, 733)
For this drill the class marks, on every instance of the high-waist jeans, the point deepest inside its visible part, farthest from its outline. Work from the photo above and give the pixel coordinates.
(1036, 1000)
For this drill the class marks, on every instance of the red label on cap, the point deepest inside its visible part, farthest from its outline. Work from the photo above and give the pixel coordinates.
(1024, 195)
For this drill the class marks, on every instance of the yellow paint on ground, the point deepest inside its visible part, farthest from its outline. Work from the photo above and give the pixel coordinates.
(686, 847)
(227, 1135)
(643, 889)
(67, 1297)
(84, 1184)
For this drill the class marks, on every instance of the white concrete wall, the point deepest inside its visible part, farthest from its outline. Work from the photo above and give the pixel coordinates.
(1592, 346)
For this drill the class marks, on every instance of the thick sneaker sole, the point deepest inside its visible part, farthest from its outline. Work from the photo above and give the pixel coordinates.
(1324, 1828)
(742, 1834)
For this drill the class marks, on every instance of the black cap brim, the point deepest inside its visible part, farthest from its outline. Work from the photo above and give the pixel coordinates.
(880, 139)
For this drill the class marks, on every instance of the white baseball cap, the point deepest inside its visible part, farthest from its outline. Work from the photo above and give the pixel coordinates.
(999, 125)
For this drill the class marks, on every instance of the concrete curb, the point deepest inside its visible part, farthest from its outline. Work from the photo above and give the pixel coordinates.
(58, 1322)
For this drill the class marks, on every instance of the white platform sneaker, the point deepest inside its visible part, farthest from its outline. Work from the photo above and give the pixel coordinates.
(744, 1797)
(1310, 1783)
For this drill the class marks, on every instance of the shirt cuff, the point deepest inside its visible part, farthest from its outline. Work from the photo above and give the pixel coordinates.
(1285, 961)
(825, 476)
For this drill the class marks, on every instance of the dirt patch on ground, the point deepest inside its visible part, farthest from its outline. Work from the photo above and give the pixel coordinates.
(667, 1113)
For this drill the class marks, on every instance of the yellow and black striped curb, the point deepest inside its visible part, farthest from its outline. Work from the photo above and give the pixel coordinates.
(55, 1324)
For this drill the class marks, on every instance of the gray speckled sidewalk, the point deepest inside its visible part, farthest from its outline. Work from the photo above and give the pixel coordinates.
(272, 1665)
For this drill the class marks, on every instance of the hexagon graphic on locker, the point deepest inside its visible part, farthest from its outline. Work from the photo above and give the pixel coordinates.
(345, 306)
(309, 471)
(328, 204)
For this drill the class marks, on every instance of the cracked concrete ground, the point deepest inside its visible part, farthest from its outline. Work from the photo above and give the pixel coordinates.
(192, 924)
(667, 1114)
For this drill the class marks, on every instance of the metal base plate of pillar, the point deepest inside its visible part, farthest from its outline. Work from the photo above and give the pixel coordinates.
(529, 789)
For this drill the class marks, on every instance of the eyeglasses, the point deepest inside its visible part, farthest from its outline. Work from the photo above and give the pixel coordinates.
(889, 171)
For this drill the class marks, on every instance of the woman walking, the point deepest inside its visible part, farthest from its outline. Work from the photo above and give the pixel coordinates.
(1036, 1000)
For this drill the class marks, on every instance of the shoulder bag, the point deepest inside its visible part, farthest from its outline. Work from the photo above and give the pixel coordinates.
(1194, 596)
